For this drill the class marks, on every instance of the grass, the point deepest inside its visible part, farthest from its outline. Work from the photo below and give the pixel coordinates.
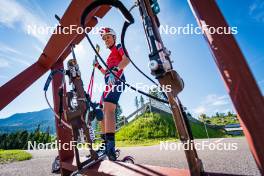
(150, 129)
(225, 120)
(145, 142)
(199, 132)
(7, 156)
(148, 126)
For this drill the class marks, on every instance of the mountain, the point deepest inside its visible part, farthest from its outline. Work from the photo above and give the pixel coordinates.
(29, 121)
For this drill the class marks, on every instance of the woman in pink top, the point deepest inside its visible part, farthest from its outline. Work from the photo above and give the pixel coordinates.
(116, 61)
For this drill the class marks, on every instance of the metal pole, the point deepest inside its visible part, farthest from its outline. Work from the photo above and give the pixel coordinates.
(206, 130)
(64, 135)
(240, 83)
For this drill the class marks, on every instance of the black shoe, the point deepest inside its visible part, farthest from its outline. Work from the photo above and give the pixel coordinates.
(102, 148)
(111, 157)
(110, 150)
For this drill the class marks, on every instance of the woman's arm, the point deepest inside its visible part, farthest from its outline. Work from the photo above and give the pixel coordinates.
(103, 71)
(124, 62)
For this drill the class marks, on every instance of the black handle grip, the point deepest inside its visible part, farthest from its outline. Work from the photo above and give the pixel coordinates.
(115, 3)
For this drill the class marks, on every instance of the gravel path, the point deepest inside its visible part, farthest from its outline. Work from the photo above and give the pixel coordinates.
(238, 161)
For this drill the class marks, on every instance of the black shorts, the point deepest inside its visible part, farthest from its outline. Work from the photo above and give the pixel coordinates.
(112, 92)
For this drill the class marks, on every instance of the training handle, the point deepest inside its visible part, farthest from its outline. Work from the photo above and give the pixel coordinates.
(115, 3)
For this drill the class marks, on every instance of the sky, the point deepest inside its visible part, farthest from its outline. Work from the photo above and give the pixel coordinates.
(204, 90)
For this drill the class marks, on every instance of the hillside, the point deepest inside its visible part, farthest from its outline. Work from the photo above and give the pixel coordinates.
(28, 121)
(143, 127)
(154, 126)
(222, 120)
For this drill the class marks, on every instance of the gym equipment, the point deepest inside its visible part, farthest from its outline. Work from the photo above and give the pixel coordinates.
(239, 82)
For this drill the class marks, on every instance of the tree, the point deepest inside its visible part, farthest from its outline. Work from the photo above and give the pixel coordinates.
(156, 92)
(230, 114)
(217, 114)
(37, 135)
(23, 139)
(46, 136)
(31, 137)
(3, 141)
(118, 113)
(202, 117)
(142, 101)
(136, 102)
(208, 122)
(11, 141)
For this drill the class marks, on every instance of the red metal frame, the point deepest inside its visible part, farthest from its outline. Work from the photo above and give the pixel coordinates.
(56, 48)
(240, 83)
(64, 135)
(243, 90)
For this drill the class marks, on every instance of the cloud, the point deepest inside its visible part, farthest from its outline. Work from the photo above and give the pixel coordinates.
(261, 82)
(3, 63)
(256, 10)
(21, 61)
(6, 62)
(3, 77)
(252, 8)
(10, 54)
(14, 15)
(256, 61)
(213, 103)
(199, 110)
(6, 49)
(215, 100)
(38, 48)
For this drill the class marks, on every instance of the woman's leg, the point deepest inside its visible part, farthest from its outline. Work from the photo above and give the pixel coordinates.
(102, 124)
(109, 116)
(110, 99)
(109, 111)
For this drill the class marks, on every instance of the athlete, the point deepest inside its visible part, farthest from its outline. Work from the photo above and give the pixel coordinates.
(117, 62)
